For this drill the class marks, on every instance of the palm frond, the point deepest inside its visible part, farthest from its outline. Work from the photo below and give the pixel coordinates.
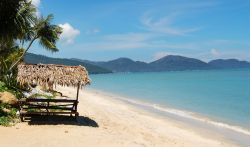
(47, 33)
(16, 17)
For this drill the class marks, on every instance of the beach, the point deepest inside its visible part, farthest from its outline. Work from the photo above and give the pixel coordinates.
(126, 73)
(105, 121)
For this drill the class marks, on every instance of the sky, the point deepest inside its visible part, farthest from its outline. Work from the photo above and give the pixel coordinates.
(147, 30)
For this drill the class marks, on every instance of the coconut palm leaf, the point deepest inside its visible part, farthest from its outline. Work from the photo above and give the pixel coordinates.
(16, 17)
(47, 33)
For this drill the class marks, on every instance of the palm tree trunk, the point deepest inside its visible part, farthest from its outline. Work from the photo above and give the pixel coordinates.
(25, 51)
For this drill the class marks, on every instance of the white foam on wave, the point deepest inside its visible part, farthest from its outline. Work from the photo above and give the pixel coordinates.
(190, 115)
(193, 116)
(182, 113)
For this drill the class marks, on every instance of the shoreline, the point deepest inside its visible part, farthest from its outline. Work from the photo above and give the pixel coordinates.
(199, 123)
(174, 111)
(119, 124)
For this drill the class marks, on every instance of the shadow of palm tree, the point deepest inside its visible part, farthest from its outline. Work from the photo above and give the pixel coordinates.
(61, 120)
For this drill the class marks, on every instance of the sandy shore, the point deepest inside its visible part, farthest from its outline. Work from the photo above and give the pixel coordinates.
(105, 121)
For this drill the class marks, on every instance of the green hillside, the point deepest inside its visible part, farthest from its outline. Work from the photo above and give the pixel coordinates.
(35, 59)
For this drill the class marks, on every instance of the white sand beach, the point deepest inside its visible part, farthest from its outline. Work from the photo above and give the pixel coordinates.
(112, 123)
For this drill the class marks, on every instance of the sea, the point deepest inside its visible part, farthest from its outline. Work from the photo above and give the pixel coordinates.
(217, 97)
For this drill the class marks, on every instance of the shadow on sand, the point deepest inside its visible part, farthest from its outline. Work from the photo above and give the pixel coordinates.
(61, 120)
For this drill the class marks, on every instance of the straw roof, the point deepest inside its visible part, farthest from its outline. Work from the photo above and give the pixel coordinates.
(56, 74)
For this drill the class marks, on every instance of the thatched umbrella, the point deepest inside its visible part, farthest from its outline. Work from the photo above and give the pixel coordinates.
(43, 74)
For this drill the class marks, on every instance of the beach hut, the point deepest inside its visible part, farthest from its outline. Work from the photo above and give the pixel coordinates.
(51, 74)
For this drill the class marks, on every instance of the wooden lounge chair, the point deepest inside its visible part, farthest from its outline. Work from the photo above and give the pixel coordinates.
(38, 106)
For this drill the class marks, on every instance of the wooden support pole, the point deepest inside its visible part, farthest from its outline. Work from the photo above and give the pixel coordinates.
(77, 95)
(78, 87)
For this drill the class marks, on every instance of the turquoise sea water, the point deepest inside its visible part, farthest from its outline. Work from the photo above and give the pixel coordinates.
(220, 95)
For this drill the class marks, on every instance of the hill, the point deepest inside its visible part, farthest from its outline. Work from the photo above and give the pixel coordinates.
(167, 63)
(125, 65)
(35, 59)
(178, 63)
(229, 63)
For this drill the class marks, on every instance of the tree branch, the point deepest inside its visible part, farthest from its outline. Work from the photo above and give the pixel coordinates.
(25, 51)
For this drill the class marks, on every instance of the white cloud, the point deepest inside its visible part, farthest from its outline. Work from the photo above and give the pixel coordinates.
(129, 37)
(159, 55)
(93, 31)
(69, 33)
(165, 25)
(215, 52)
(120, 42)
(36, 2)
(128, 41)
(113, 45)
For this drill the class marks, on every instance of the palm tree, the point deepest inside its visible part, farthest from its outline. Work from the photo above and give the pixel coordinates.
(18, 23)
(45, 32)
(16, 18)
(19, 26)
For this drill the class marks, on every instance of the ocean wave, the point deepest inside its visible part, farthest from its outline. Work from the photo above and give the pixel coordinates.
(180, 113)
(191, 115)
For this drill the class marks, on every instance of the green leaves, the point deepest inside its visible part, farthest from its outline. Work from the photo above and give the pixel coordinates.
(2, 87)
(16, 18)
(19, 24)
(47, 33)
(7, 118)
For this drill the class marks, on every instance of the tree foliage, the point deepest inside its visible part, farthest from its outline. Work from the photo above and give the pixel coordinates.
(19, 23)
(19, 28)
(16, 19)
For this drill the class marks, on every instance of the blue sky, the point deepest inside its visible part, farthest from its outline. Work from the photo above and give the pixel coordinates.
(147, 30)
